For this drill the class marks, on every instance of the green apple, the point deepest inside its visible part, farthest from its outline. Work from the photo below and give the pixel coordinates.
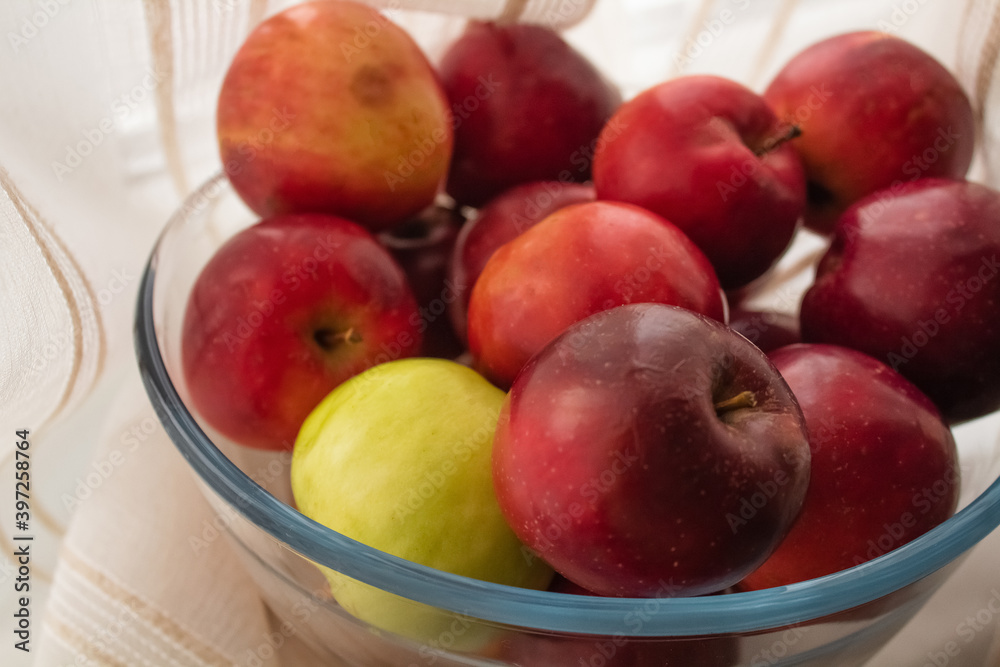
(399, 458)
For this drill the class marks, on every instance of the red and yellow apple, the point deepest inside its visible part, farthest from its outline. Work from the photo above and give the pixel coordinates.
(505, 217)
(710, 156)
(285, 311)
(581, 260)
(328, 106)
(875, 111)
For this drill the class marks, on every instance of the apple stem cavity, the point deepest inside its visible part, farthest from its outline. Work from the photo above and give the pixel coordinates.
(744, 399)
(329, 339)
(772, 143)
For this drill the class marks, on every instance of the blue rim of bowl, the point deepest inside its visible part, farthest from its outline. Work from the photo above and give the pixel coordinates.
(742, 612)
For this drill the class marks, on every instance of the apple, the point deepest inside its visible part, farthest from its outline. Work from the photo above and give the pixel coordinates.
(911, 279)
(399, 458)
(282, 313)
(884, 465)
(767, 329)
(423, 247)
(560, 650)
(710, 156)
(330, 107)
(650, 451)
(527, 107)
(569, 650)
(875, 111)
(578, 261)
(503, 218)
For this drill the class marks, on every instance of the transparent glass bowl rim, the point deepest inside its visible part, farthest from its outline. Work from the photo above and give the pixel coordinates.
(537, 610)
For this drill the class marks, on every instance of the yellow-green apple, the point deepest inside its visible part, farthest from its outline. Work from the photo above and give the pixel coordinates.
(875, 111)
(911, 279)
(884, 465)
(500, 220)
(283, 312)
(330, 107)
(423, 247)
(580, 260)
(709, 155)
(399, 458)
(527, 107)
(650, 451)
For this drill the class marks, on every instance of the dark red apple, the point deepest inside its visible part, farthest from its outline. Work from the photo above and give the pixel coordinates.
(580, 260)
(330, 107)
(503, 218)
(423, 247)
(709, 155)
(527, 107)
(282, 313)
(911, 279)
(560, 650)
(884, 465)
(564, 650)
(767, 329)
(650, 451)
(875, 112)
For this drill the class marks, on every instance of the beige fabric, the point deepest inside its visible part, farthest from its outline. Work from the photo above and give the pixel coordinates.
(977, 66)
(106, 122)
(121, 596)
(44, 290)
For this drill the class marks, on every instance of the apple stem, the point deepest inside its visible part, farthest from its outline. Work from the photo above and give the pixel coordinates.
(744, 399)
(771, 143)
(327, 339)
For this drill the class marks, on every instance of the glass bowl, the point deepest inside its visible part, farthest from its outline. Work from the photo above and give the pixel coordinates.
(841, 619)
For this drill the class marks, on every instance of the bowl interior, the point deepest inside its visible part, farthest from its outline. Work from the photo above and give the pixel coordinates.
(254, 485)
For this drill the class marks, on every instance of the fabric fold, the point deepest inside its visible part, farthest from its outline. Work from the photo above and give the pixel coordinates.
(129, 589)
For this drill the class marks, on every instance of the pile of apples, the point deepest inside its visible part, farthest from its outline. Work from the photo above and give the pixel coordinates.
(587, 261)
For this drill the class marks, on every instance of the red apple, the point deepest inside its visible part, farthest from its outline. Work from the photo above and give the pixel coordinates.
(563, 650)
(884, 465)
(527, 107)
(423, 247)
(282, 313)
(580, 260)
(650, 451)
(767, 329)
(560, 650)
(911, 279)
(503, 218)
(330, 107)
(875, 111)
(709, 155)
